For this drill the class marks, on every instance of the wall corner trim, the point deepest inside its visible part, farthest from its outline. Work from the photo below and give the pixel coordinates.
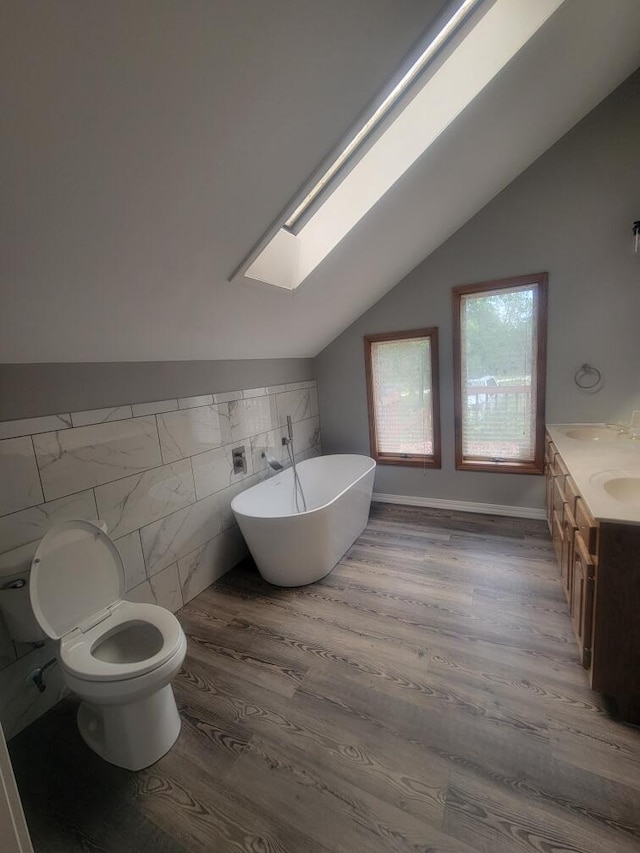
(462, 506)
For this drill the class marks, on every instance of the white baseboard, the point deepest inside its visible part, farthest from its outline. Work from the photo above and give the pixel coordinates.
(461, 506)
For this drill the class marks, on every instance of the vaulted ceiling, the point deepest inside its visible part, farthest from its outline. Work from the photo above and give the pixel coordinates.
(147, 146)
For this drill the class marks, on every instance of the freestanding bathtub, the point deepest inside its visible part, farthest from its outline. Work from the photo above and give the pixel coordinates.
(291, 548)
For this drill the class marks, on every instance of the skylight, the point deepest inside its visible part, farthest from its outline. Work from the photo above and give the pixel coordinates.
(392, 98)
(286, 259)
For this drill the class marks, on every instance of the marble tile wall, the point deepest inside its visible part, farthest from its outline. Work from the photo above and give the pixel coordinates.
(160, 474)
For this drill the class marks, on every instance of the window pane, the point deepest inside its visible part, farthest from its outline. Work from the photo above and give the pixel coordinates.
(403, 408)
(498, 360)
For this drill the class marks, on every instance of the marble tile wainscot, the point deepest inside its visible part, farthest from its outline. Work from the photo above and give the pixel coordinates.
(160, 474)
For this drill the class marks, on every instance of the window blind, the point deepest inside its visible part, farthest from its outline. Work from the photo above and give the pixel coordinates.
(402, 396)
(498, 374)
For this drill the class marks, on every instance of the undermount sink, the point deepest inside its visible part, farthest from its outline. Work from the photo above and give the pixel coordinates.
(625, 489)
(588, 433)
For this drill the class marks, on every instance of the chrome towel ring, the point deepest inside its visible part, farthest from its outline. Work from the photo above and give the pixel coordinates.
(587, 377)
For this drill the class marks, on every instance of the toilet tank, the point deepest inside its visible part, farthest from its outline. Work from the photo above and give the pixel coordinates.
(15, 604)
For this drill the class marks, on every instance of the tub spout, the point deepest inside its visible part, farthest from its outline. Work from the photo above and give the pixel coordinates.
(272, 461)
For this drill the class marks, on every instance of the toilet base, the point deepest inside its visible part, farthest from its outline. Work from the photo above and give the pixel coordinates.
(133, 735)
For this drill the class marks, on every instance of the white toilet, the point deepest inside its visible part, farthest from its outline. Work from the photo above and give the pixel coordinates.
(117, 656)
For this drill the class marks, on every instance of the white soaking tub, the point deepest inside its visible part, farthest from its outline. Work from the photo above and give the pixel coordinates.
(292, 548)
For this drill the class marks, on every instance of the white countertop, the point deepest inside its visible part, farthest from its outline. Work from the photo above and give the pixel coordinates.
(592, 463)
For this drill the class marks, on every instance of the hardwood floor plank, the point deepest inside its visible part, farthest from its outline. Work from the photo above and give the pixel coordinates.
(602, 746)
(206, 815)
(344, 816)
(207, 739)
(496, 820)
(379, 762)
(449, 727)
(428, 518)
(547, 694)
(271, 667)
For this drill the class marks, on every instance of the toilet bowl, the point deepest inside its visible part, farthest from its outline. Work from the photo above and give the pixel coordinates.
(118, 657)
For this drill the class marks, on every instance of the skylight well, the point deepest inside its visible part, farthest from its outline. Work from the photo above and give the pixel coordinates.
(391, 99)
(336, 202)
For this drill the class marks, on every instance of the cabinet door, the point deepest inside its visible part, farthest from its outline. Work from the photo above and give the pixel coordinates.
(569, 530)
(571, 494)
(549, 484)
(558, 496)
(557, 536)
(582, 589)
(587, 526)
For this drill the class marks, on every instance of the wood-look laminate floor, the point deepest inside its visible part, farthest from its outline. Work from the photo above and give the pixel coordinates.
(425, 696)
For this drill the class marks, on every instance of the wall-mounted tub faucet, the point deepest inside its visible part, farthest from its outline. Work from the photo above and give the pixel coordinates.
(272, 461)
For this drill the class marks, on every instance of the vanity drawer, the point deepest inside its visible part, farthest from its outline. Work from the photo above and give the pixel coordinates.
(549, 451)
(587, 526)
(552, 468)
(558, 498)
(560, 467)
(571, 494)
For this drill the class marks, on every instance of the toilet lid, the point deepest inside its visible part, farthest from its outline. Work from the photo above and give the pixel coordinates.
(76, 573)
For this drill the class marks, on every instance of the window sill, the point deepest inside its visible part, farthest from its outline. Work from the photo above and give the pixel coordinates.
(408, 461)
(500, 467)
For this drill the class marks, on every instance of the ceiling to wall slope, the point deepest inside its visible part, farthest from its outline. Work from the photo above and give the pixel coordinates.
(151, 144)
(147, 145)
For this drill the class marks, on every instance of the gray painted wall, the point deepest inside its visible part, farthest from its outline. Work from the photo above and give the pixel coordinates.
(151, 145)
(570, 214)
(29, 390)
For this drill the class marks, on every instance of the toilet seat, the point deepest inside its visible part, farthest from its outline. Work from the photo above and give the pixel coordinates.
(76, 574)
(77, 649)
(76, 588)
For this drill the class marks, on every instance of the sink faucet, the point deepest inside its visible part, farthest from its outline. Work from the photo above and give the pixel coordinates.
(622, 429)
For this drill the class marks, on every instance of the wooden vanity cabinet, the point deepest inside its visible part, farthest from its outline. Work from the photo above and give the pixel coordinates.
(558, 497)
(560, 514)
(587, 526)
(615, 668)
(599, 564)
(557, 536)
(572, 494)
(569, 531)
(549, 488)
(581, 598)
(549, 470)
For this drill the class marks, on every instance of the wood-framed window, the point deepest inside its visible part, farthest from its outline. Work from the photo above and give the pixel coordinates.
(403, 396)
(499, 360)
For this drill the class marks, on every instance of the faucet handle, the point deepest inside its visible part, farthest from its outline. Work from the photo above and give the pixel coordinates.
(621, 428)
